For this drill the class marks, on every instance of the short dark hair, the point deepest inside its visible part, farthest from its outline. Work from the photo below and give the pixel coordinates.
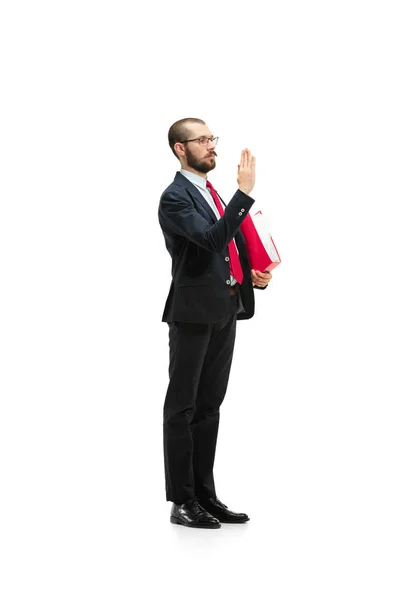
(180, 130)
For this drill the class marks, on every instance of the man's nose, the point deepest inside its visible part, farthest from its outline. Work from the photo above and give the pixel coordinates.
(211, 145)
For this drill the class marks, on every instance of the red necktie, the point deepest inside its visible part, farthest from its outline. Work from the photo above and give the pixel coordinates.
(236, 267)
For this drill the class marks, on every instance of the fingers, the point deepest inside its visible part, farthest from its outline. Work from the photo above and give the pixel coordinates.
(247, 158)
(259, 278)
(247, 161)
(243, 160)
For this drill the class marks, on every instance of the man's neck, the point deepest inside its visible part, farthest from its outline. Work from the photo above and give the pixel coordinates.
(204, 175)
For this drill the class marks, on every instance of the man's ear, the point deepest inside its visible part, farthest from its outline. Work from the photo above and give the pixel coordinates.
(178, 153)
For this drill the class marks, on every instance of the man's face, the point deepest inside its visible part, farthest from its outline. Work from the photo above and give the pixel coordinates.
(200, 158)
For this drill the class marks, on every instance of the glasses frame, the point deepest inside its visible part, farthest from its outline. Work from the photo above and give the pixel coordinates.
(211, 139)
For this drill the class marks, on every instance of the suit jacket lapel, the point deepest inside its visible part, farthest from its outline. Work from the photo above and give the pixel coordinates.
(193, 191)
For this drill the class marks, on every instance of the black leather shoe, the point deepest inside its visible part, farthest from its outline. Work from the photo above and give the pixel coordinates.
(192, 514)
(219, 510)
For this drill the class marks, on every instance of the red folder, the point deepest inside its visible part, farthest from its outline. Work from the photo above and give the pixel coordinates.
(261, 250)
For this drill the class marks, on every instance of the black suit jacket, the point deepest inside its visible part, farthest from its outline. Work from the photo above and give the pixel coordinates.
(198, 244)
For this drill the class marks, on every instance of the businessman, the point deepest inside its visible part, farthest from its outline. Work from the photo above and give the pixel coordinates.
(212, 287)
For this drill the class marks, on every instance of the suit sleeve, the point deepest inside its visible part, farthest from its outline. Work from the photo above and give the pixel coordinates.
(178, 215)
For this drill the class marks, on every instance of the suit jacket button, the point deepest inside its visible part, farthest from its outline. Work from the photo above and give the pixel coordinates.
(228, 281)
(227, 258)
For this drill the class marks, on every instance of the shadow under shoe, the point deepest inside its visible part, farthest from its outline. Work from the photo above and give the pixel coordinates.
(193, 514)
(215, 507)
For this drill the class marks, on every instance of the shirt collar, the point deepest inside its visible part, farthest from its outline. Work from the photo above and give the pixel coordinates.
(196, 179)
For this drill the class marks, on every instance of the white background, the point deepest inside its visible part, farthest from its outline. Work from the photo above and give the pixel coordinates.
(309, 434)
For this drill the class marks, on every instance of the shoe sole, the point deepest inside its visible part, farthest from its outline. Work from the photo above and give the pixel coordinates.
(233, 522)
(197, 526)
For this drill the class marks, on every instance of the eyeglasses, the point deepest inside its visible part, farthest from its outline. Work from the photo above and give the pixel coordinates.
(203, 140)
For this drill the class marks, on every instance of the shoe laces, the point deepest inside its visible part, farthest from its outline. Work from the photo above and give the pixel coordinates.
(197, 506)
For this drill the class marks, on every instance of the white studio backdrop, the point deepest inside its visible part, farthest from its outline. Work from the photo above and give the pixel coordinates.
(308, 442)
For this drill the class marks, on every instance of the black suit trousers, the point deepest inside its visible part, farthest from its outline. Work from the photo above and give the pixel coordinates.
(200, 362)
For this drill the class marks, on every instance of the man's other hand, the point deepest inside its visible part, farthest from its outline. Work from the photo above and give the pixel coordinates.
(260, 279)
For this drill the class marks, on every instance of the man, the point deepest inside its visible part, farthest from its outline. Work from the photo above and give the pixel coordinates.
(211, 288)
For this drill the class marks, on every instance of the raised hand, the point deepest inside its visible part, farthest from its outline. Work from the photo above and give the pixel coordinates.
(246, 175)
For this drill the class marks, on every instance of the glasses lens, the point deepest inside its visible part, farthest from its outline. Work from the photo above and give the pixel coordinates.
(203, 141)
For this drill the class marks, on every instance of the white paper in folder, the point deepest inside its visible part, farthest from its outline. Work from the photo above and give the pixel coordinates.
(262, 226)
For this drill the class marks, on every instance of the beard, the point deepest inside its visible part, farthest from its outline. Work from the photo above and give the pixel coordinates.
(203, 165)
